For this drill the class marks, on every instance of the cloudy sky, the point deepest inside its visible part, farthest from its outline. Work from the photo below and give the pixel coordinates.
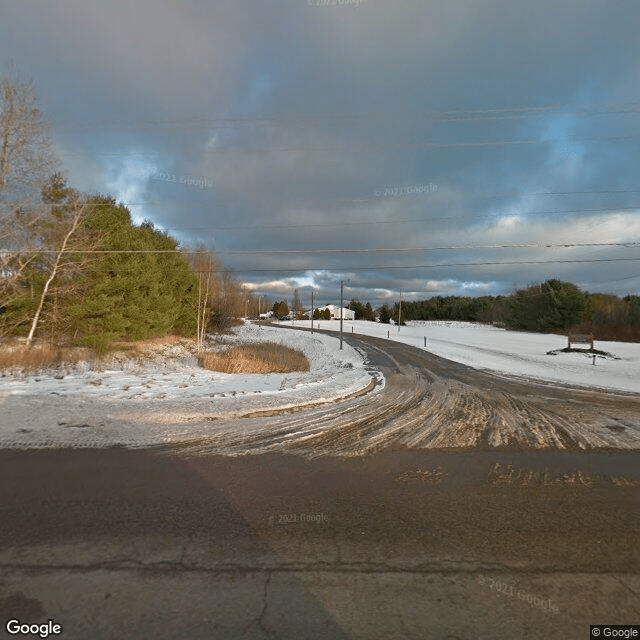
(433, 147)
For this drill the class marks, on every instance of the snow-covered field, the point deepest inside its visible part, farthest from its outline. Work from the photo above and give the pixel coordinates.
(513, 353)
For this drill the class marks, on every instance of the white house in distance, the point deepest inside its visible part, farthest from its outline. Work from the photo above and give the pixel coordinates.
(347, 314)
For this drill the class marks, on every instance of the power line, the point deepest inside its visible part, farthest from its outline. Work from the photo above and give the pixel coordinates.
(378, 222)
(365, 198)
(357, 268)
(368, 198)
(372, 147)
(521, 245)
(449, 113)
(424, 266)
(365, 222)
(563, 245)
(611, 281)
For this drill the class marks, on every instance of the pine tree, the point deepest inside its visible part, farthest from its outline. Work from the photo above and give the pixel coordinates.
(142, 288)
(280, 310)
(369, 313)
(358, 308)
(385, 314)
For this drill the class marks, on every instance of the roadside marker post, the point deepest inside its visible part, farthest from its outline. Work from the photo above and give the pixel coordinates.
(341, 306)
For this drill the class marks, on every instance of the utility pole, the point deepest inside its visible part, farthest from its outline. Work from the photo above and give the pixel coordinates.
(311, 314)
(399, 310)
(341, 296)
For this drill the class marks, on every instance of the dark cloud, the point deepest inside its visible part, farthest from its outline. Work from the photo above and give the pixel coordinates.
(306, 125)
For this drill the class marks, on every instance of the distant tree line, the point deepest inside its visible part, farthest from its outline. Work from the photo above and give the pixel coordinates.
(609, 317)
(483, 309)
(362, 311)
(553, 306)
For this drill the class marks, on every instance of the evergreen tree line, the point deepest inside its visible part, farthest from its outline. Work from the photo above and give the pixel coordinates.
(87, 275)
(362, 311)
(553, 306)
(75, 269)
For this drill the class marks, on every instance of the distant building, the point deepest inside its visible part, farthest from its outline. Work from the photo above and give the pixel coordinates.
(347, 314)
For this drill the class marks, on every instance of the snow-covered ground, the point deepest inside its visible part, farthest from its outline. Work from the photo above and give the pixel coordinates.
(513, 353)
(133, 404)
(172, 399)
(334, 373)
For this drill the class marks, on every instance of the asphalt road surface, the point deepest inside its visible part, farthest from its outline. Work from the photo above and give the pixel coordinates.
(360, 528)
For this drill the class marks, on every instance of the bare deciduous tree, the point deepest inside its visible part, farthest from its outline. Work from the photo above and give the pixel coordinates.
(69, 252)
(220, 295)
(204, 265)
(296, 305)
(26, 160)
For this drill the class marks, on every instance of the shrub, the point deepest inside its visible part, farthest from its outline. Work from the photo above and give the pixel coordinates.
(264, 357)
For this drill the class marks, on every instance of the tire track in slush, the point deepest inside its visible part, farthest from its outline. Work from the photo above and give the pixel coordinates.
(430, 402)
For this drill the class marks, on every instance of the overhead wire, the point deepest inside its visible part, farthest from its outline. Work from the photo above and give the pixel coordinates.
(518, 245)
(365, 222)
(451, 115)
(424, 266)
(368, 147)
(454, 114)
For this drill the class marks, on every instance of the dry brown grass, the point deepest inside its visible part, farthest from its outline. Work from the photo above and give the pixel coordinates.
(14, 357)
(40, 357)
(139, 345)
(263, 357)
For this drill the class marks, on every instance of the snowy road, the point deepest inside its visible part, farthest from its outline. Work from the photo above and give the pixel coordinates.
(400, 396)
(430, 402)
